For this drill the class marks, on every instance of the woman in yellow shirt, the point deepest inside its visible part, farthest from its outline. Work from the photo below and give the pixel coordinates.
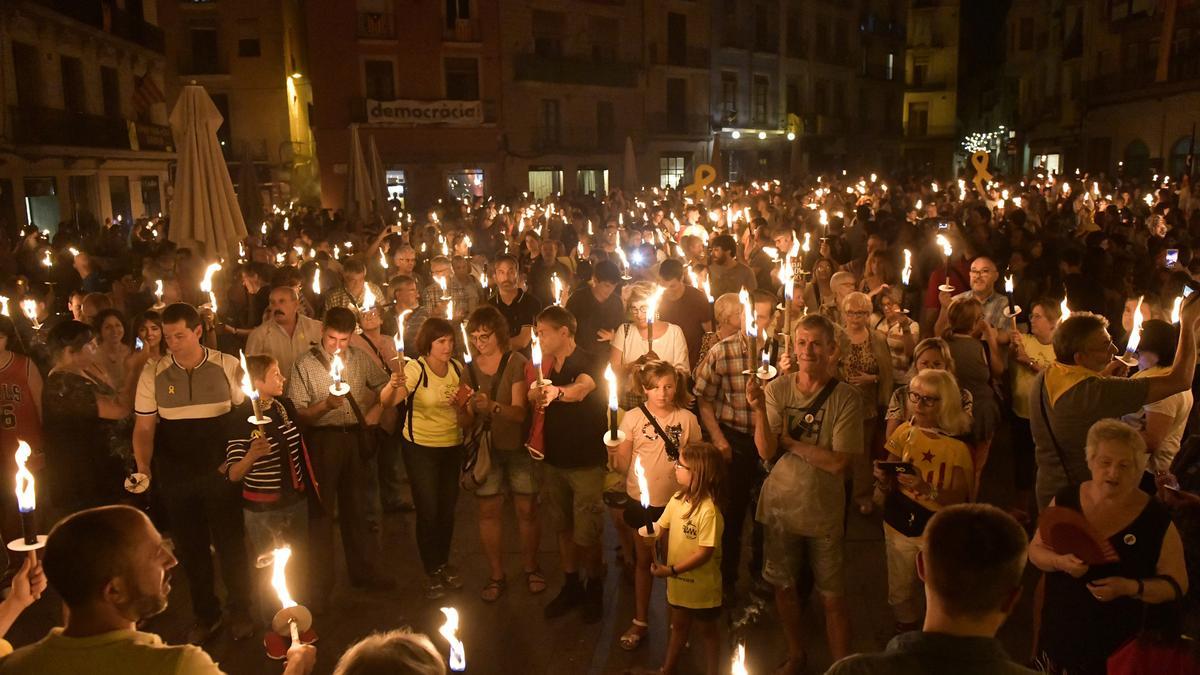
(432, 440)
(926, 469)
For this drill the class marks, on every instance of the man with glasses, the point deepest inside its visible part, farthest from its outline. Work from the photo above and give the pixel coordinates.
(1086, 384)
(983, 288)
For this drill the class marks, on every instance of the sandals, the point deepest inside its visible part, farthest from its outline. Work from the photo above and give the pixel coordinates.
(632, 638)
(494, 589)
(535, 581)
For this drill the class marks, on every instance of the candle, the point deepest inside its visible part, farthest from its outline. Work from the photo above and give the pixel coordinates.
(280, 559)
(399, 339)
(906, 273)
(26, 494)
(1008, 291)
(449, 630)
(611, 379)
(643, 492)
(947, 251)
(765, 368)
(336, 366)
(29, 309)
(1135, 334)
(466, 343)
(651, 312)
(316, 282)
(787, 276)
(251, 392)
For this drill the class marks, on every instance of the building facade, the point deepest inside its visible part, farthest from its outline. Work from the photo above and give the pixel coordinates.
(931, 129)
(83, 133)
(250, 58)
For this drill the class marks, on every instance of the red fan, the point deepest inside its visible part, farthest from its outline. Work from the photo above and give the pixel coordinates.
(1067, 531)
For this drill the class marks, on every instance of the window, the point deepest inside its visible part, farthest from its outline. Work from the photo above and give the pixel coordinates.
(839, 99)
(380, 80)
(248, 43)
(841, 49)
(545, 181)
(549, 122)
(795, 43)
(457, 10)
(822, 51)
(462, 78)
(890, 69)
(821, 97)
(671, 170)
(918, 118)
(729, 25)
(792, 97)
(25, 67)
(110, 90)
(464, 184)
(1025, 33)
(548, 29)
(729, 86)
(605, 32)
(396, 185)
(376, 20)
(920, 73)
(677, 106)
(205, 54)
(759, 106)
(676, 39)
(763, 39)
(151, 195)
(592, 180)
(74, 98)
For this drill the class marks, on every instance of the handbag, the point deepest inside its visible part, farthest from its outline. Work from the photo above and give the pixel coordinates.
(1156, 652)
(477, 463)
(903, 513)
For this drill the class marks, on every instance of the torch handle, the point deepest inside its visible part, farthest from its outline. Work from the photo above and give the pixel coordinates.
(295, 630)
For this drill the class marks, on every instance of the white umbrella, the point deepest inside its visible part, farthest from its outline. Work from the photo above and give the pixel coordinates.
(378, 178)
(205, 206)
(630, 179)
(358, 181)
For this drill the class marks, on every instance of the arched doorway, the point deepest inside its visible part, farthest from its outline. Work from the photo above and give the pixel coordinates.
(1179, 154)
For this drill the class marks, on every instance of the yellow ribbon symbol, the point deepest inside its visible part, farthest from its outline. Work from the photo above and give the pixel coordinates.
(980, 161)
(705, 175)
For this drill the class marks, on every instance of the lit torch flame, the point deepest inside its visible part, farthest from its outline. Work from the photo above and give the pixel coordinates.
(26, 495)
(1066, 311)
(316, 282)
(1135, 334)
(29, 309)
(158, 290)
(449, 630)
(336, 366)
(1175, 310)
(744, 298)
(558, 289)
(643, 485)
(368, 302)
(1008, 284)
(611, 379)
(399, 339)
(739, 661)
(4, 306)
(906, 273)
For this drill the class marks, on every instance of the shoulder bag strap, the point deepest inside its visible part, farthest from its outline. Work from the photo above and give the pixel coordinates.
(1062, 457)
(358, 414)
(672, 449)
(412, 394)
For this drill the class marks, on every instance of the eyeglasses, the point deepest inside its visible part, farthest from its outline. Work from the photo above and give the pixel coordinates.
(640, 309)
(481, 337)
(980, 273)
(926, 401)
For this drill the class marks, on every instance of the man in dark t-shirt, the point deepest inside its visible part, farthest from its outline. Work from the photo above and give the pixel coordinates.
(573, 477)
(597, 310)
(518, 306)
(685, 307)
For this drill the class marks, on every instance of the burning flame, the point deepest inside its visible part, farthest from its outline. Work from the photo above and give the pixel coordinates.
(806, 246)
(399, 339)
(611, 379)
(642, 483)
(449, 630)
(46, 260)
(535, 355)
(787, 278)
(906, 273)
(1008, 284)
(449, 310)
(316, 282)
(336, 366)
(1175, 310)
(558, 289)
(944, 243)
(247, 385)
(4, 306)
(466, 343)
(1066, 311)
(158, 290)
(744, 298)
(383, 259)
(739, 656)
(652, 304)
(26, 496)
(1135, 334)
(29, 309)
(279, 576)
(368, 298)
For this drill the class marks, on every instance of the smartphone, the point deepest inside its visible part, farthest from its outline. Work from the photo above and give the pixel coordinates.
(1172, 257)
(1187, 290)
(462, 394)
(138, 344)
(943, 225)
(899, 467)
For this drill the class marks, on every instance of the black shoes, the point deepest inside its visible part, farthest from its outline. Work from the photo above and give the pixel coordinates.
(570, 597)
(593, 601)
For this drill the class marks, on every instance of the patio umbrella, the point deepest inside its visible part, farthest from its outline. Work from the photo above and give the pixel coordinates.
(378, 178)
(205, 207)
(630, 179)
(248, 194)
(358, 181)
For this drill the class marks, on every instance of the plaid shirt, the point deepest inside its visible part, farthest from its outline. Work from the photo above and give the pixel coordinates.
(340, 297)
(466, 298)
(719, 380)
(310, 383)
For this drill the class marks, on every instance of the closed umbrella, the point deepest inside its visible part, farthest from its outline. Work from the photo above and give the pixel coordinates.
(630, 179)
(378, 179)
(358, 183)
(205, 207)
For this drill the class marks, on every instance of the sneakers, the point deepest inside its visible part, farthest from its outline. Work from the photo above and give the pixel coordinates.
(593, 601)
(435, 588)
(450, 577)
(203, 631)
(276, 646)
(570, 597)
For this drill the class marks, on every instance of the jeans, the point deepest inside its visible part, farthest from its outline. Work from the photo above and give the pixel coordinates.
(745, 478)
(271, 529)
(205, 513)
(391, 470)
(341, 477)
(433, 473)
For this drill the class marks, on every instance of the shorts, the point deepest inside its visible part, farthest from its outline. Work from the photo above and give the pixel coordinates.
(636, 515)
(702, 614)
(786, 555)
(571, 499)
(514, 467)
(904, 586)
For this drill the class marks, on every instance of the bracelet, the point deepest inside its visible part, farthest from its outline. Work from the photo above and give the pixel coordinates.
(674, 573)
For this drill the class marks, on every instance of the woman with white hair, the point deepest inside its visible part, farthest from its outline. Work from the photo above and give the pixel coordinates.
(396, 652)
(866, 363)
(1090, 611)
(927, 469)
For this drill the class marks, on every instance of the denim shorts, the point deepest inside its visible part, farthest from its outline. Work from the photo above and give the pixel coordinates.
(514, 468)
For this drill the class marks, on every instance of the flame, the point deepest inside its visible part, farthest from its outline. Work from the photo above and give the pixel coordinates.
(336, 366)
(906, 273)
(383, 259)
(1175, 310)
(1066, 311)
(739, 659)
(280, 557)
(46, 260)
(806, 246)
(652, 305)
(642, 483)
(285, 224)
(466, 343)
(263, 229)
(158, 290)
(744, 298)
(74, 251)
(29, 309)
(944, 243)
(611, 379)
(824, 217)
(787, 278)
(4, 306)
(1135, 334)
(535, 355)
(337, 252)
(26, 495)
(368, 298)
(708, 290)
(558, 289)
(449, 310)
(1008, 284)
(449, 630)
(1149, 198)
(399, 339)
(206, 283)
(247, 385)
(212, 301)
(316, 282)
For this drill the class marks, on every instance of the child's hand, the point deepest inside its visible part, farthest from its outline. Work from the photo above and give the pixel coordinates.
(660, 571)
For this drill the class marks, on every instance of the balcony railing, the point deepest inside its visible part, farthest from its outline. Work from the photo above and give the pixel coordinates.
(666, 124)
(50, 126)
(114, 21)
(567, 70)
(376, 26)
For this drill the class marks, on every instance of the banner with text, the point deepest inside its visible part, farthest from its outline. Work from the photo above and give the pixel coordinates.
(459, 113)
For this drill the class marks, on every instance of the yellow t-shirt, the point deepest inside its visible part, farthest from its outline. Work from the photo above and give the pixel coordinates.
(119, 652)
(1022, 380)
(935, 457)
(699, 588)
(434, 422)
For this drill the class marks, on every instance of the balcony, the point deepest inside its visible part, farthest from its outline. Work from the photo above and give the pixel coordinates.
(375, 26)
(464, 30)
(50, 126)
(568, 70)
(114, 21)
(574, 140)
(666, 124)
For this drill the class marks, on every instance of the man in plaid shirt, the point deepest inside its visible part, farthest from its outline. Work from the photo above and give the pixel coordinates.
(720, 391)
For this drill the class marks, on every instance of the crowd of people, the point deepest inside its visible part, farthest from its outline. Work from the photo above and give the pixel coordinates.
(720, 377)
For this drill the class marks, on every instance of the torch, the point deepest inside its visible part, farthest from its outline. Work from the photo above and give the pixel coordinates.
(947, 251)
(1135, 335)
(449, 630)
(292, 618)
(614, 436)
(651, 312)
(338, 388)
(399, 339)
(644, 497)
(248, 388)
(29, 309)
(1013, 310)
(30, 540)
(906, 273)
(207, 287)
(558, 289)
(158, 292)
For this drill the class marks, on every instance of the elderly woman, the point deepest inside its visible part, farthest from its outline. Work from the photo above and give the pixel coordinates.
(1090, 611)
(974, 345)
(930, 354)
(941, 476)
(865, 363)
(1162, 422)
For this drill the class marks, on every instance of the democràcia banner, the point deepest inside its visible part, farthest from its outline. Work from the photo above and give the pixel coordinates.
(461, 113)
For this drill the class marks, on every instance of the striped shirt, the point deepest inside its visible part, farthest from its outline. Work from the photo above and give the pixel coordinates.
(271, 477)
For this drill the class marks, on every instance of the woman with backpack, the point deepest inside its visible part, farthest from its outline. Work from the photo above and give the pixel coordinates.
(439, 408)
(497, 374)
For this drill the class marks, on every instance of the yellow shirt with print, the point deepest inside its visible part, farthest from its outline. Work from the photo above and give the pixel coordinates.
(698, 588)
(935, 457)
(434, 422)
(119, 652)
(1023, 376)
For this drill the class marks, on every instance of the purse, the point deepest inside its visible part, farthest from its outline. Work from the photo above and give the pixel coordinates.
(1156, 652)
(477, 463)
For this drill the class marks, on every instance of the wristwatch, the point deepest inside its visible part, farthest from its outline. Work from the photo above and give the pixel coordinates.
(495, 408)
